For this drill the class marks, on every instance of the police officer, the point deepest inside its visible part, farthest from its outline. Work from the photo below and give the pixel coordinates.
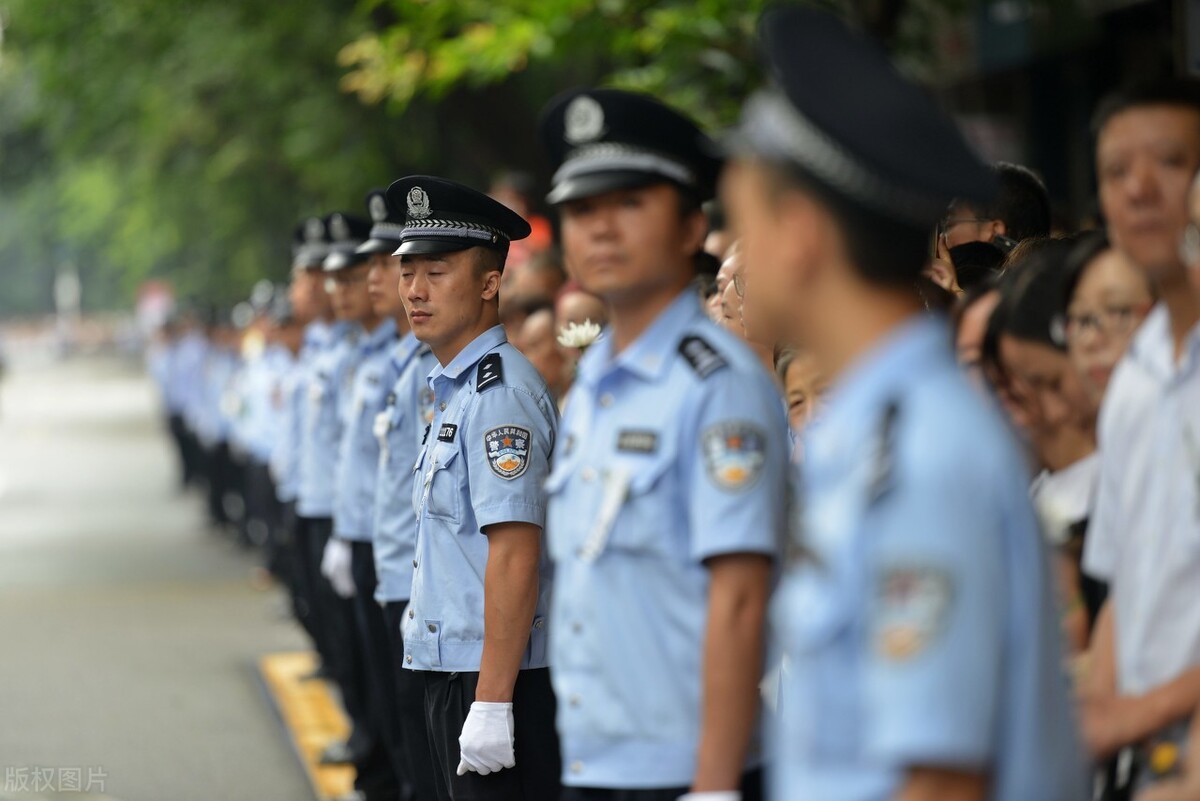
(399, 428)
(917, 615)
(476, 622)
(666, 498)
(327, 400)
(310, 308)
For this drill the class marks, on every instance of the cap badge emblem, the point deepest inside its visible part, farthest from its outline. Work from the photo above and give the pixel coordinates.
(338, 228)
(377, 206)
(584, 120)
(418, 203)
(314, 229)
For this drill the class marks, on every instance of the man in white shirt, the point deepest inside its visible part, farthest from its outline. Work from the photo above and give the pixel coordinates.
(1144, 535)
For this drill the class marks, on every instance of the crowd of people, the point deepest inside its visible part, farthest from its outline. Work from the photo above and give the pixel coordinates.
(814, 464)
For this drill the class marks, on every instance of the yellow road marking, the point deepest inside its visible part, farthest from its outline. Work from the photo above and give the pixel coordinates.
(312, 716)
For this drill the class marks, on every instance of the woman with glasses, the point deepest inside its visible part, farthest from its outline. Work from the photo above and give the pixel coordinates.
(1107, 299)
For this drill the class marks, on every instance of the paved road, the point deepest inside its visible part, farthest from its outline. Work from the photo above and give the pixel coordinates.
(128, 632)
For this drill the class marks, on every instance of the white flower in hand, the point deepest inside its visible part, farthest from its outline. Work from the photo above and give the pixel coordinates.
(578, 335)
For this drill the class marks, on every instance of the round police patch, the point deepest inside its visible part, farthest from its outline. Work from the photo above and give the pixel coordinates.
(734, 454)
(507, 451)
(912, 603)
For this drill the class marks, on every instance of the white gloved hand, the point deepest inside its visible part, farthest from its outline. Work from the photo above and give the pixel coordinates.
(718, 795)
(487, 739)
(335, 566)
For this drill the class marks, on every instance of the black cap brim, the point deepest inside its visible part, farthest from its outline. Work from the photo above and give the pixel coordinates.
(373, 246)
(421, 247)
(341, 260)
(597, 183)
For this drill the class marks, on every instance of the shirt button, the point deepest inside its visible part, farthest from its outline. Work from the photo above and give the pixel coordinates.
(606, 400)
(577, 627)
(541, 624)
(411, 614)
(442, 406)
(408, 659)
(414, 564)
(577, 767)
(587, 474)
(432, 627)
(574, 700)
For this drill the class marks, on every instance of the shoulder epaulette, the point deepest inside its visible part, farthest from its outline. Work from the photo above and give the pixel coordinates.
(702, 357)
(882, 469)
(491, 372)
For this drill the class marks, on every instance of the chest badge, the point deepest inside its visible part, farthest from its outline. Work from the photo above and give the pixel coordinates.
(507, 451)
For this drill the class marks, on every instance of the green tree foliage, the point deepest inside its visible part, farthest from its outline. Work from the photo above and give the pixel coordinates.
(182, 139)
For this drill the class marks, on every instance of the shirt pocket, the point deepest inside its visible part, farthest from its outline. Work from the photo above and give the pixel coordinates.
(820, 686)
(441, 482)
(645, 524)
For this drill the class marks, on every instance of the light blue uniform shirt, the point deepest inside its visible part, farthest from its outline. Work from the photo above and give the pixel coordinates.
(917, 616)
(285, 452)
(400, 428)
(672, 452)
(327, 387)
(358, 453)
(484, 462)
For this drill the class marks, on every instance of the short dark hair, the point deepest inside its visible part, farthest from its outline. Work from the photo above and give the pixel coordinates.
(1035, 297)
(1177, 92)
(1022, 202)
(489, 259)
(884, 250)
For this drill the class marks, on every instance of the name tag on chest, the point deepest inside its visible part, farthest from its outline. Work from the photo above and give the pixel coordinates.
(447, 432)
(633, 441)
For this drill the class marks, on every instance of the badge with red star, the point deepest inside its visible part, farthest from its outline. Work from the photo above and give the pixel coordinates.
(507, 451)
(734, 454)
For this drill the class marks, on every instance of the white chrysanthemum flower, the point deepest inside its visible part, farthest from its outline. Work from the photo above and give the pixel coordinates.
(578, 335)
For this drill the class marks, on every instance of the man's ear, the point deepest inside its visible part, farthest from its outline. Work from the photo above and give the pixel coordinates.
(806, 236)
(695, 233)
(491, 284)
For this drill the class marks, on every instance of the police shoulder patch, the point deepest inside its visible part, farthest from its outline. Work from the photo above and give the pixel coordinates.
(911, 604)
(490, 373)
(507, 449)
(735, 452)
(702, 357)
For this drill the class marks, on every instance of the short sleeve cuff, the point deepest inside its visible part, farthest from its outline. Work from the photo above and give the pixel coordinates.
(511, 513)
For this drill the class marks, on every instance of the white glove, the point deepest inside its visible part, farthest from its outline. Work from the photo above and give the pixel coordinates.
(335, 566)
(487, 739)
(718, 795)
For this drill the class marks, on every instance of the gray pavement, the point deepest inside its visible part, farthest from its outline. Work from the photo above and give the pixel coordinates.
(128, 632)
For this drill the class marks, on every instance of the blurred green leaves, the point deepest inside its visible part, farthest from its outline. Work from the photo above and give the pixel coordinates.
(182, 139)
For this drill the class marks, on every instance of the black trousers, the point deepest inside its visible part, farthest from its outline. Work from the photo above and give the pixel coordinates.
(305, 579)
(410, 710)
(535, 777)
(344, 658)
(185, 449)
(752, 790)
(383, 707)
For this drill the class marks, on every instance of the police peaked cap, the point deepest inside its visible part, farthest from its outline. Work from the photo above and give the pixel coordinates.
(346, 233)
(387, 223)
(442, 216)
(841, 113)
(599, 140)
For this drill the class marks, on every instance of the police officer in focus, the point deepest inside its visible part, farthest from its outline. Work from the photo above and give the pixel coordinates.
(475, 628)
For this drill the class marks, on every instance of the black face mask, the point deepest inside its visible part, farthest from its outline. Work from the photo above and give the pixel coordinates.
(976, 261)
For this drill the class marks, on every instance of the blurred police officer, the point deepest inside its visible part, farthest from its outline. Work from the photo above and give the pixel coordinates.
(310, 308)
(476, 622)
(919, 623)
(666, 505)
(330, 363)
(399, 428)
